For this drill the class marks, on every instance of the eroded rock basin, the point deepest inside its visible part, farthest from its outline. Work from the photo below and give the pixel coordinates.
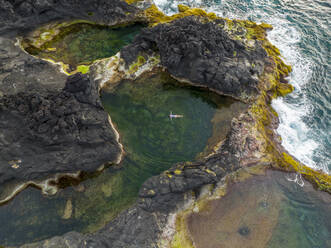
(152, 142)
(79, 43)
(264, 211)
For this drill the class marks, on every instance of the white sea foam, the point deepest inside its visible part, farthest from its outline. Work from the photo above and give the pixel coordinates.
(291, 109)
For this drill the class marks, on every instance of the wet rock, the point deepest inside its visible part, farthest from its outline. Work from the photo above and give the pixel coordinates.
(50, 122)
(21, 16)
(55, 132)
(204, 54)
(67, 210)
(159, 196)
(244, 231)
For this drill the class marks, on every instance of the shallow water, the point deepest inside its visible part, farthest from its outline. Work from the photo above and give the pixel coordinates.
(302, 33)
(152, 142)
(265, 211)
(84, 43)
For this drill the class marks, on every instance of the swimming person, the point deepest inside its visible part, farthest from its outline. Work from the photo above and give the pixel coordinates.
(171, 116)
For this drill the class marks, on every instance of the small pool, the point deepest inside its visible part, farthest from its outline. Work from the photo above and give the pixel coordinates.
(82, 43)
(265, 211)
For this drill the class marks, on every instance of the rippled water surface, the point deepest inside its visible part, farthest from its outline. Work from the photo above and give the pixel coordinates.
(302, 33)
(153, 143)
(265, 211)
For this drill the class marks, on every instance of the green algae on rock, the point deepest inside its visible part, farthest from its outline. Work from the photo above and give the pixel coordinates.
(251, 140)
(79, 44)
(271, 72)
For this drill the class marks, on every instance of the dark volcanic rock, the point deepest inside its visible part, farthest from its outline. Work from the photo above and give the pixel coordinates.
(204, 54)
(50, 123)
(20, 16)
(64, 131)
(20, 72)
(143, 224)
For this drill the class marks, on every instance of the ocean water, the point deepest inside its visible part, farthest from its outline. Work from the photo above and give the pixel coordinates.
(302, 33)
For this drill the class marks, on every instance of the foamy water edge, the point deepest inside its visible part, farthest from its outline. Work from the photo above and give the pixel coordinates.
(292, 108)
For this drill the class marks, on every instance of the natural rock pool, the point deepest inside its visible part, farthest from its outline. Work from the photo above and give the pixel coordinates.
(152, 142)
(80, 43)
(55, 126)
(264, 211)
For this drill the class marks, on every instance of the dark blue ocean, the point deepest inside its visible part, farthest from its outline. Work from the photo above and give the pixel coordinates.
(302, 32)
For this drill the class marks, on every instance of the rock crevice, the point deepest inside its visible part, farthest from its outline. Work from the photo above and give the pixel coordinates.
(65, 118)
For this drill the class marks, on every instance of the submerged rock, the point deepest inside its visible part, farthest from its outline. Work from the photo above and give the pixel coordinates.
(255, 211)
(230, 57)
(67, 210)
(76, 45)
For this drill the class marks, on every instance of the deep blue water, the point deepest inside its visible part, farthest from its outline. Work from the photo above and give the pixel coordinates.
(302, 33)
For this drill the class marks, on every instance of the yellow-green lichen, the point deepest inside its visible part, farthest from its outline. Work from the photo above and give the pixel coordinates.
(270, 81)
(254, 31)
(246, 31)
(83, 69)
(132, 1)
(183, 8)
(266, 25)
(46, 33)
(321, 179)
(78, 43)
(284, 89)
(51, 49)
(280, 69)
(181, 238)
(263, 115)
(45, 36)
(211, 172)
(155, 16)
(135, 66)
(154, 60)
(169, 175)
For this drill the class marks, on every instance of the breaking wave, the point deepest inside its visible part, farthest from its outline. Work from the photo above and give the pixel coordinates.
(304, 114)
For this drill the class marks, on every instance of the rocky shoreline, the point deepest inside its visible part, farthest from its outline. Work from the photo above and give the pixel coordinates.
(61, 118)
(52, 125)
